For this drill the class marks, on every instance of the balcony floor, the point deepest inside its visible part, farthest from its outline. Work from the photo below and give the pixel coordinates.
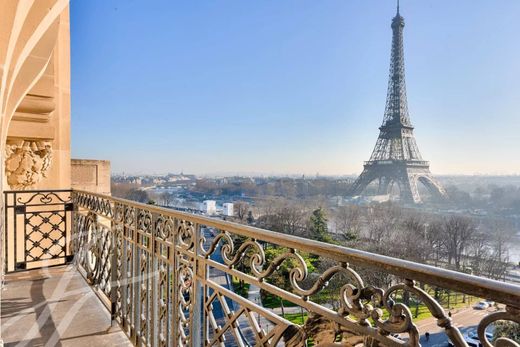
(55, 307)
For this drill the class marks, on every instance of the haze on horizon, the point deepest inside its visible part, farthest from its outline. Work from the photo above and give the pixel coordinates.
(292, 87)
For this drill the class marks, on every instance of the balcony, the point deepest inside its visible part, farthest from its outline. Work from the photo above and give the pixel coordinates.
(89, 269)
(419, 163)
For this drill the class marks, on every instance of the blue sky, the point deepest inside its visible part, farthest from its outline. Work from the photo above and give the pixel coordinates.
(291, 86)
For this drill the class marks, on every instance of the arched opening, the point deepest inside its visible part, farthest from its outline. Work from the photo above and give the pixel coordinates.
(394, 190)
(429, 190)
(382, 189)
(372, 188)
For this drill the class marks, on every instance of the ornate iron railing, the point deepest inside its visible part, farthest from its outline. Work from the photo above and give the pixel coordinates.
(165, 275)
(38, 225)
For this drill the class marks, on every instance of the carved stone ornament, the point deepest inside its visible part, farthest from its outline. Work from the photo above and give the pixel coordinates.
(27, 163)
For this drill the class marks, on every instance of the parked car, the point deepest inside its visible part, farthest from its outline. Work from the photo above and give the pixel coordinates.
(397, 336)
(482, 305)
(472, 339)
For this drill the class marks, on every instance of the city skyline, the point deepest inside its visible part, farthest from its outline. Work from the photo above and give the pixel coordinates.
(300, 90)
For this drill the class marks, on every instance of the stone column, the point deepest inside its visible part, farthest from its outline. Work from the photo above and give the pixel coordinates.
(28, 38)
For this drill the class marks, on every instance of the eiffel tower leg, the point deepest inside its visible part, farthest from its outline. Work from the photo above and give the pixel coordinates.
(408, 191)
(362, 182)
(384, 183)
(413, 187)
(405, 176)
(405, 193)
(433, 186)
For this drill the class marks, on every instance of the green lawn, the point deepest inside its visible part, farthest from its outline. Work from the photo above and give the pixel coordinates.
(455, 300)
(241, 289)
(419, 311)
(296, 318)
(273, 301)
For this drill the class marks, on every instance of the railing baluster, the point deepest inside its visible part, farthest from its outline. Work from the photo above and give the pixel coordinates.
(134, 277)
(113, 274)
(153, 280)
(198, 293)
(175, 287)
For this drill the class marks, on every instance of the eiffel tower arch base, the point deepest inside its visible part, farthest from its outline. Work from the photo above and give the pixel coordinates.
(406, 176)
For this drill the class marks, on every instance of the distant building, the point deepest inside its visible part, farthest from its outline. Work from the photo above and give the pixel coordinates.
(209, 207)
(364, 199)
(227, 209)
(91, 175)
(337, 200)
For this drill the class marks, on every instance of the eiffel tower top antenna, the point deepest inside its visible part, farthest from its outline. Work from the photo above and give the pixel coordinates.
(397, 7)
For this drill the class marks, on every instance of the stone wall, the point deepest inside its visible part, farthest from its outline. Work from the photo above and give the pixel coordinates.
(91, 175)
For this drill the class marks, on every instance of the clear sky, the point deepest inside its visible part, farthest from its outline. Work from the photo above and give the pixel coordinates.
(291, 86)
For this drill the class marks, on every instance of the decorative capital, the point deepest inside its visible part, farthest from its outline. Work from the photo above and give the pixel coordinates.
(27, 163)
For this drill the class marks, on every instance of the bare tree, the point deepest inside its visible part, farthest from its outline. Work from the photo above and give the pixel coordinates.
(347, 220)
(435, 240)
(284, 216)
(479, 251)
(382, 221)
(167, 198)
(241, 209)
(500, 237)
(458, 232)
(411, 240)
(121, 190)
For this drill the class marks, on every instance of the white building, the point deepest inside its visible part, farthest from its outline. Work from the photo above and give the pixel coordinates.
(228, 209)
(209, 207)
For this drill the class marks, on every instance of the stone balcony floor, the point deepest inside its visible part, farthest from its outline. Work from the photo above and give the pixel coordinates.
(55, 307)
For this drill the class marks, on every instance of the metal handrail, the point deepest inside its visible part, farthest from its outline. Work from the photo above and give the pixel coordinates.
(478, 286)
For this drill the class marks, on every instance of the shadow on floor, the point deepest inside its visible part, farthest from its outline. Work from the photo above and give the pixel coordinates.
(55, 307)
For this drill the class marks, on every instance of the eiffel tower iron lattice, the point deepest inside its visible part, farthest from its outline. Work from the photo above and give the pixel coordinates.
(396, 157)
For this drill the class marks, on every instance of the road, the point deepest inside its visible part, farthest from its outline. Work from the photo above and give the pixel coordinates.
(222, 279)
(465, 319)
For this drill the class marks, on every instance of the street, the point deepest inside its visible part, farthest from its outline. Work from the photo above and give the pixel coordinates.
(465, 319)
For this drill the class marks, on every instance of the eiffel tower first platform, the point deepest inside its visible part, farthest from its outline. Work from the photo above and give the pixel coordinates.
(396, 157)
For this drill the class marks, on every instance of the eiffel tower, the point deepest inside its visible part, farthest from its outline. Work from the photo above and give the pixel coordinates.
(396, 158)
